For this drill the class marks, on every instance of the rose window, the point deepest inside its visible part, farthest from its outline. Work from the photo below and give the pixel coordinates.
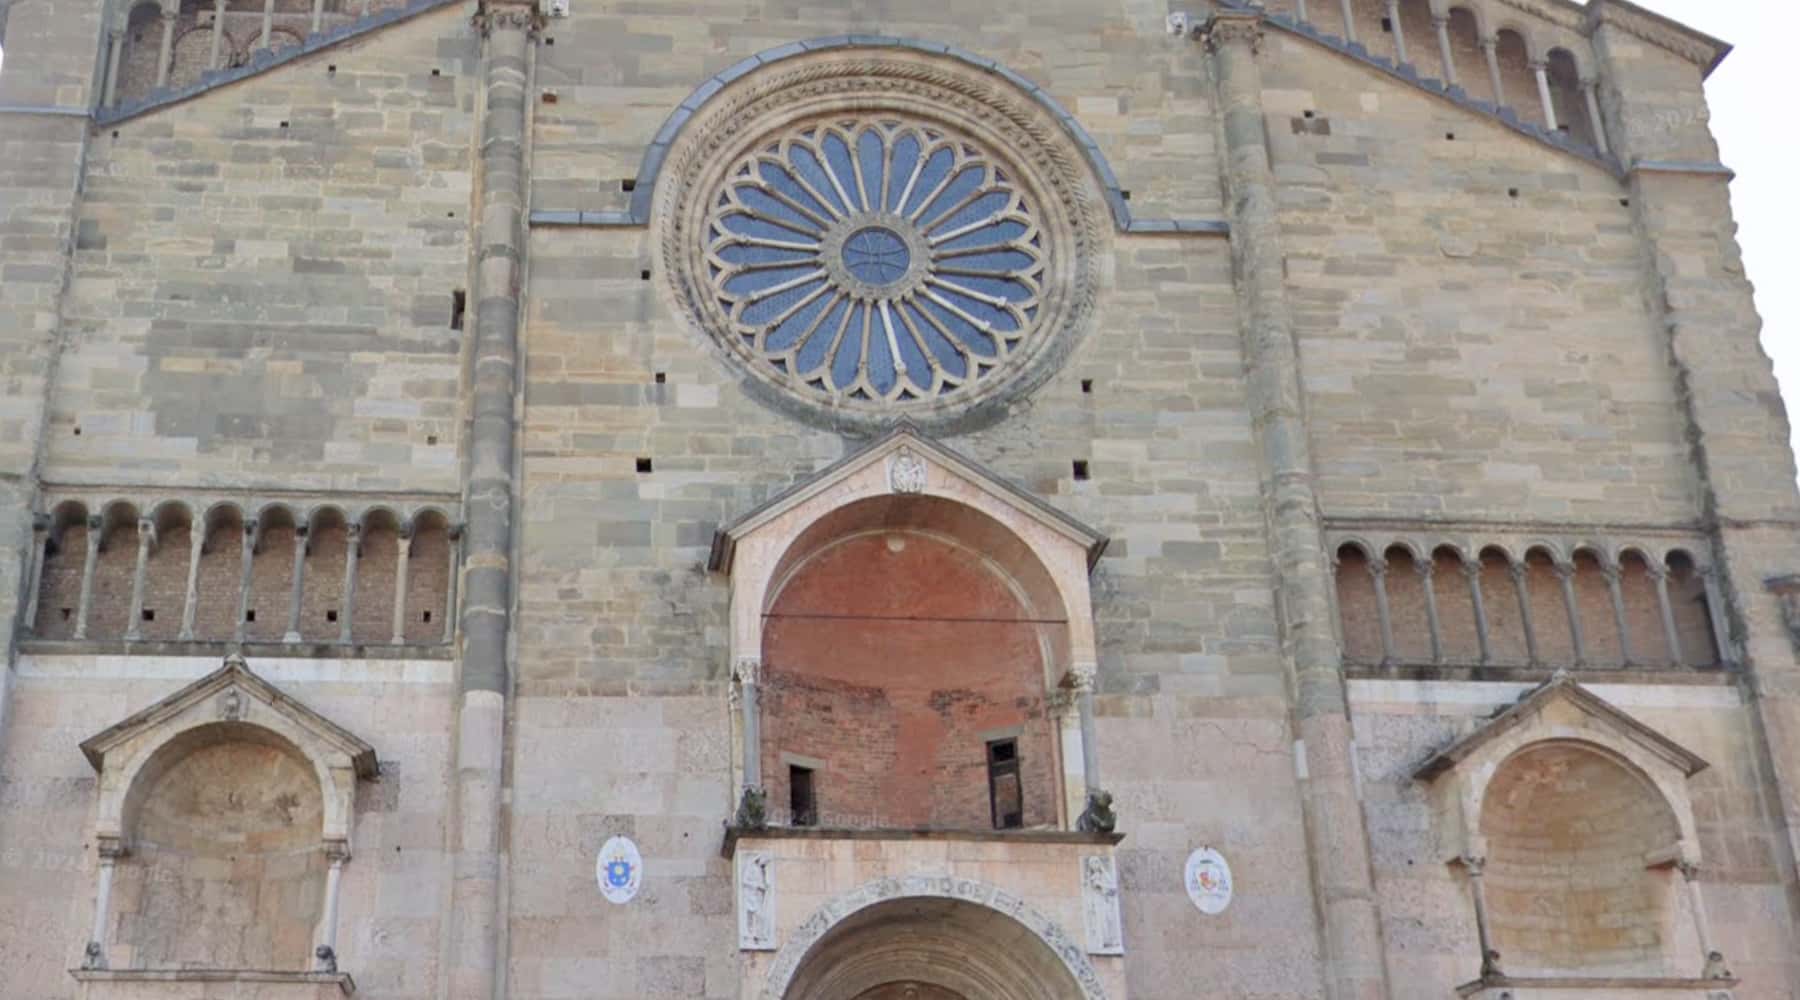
(875, 260)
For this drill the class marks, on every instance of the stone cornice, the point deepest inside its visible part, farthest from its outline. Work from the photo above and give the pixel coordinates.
(1701, 49)
(1557, 12)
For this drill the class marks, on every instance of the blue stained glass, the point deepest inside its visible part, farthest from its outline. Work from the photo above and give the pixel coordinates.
(946, 354)
(901, 161)
(843, 367)
(959, 188)
(870, 155)
(998, 261)
(812, 353)
(769, 207)
(978, 343)
(937, 167)
(882, 374)
(1002, 288)
(787, 333)
(808, 167)
(794, 307)
(877, 255)
(842, 165)
(777, 177)
(735, 253)
(769, 309)
(990, 204)
(1000, 233)
(749, 225)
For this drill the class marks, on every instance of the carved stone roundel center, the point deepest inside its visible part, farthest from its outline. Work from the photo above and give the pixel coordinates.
(875, 259)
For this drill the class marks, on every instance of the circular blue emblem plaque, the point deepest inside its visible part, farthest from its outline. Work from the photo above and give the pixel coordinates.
(619, 870)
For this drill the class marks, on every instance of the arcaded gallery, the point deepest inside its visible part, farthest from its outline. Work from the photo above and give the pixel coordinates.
(746, 500)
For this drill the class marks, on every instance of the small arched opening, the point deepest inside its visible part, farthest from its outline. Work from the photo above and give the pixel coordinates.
(278, 535)
(1571, 831)
(220, 577)
(225, 869)
(138, 61)
(59, 580)
(1358, 615)
(115, 567)
(1466, 51)
(930, 948)
(1564, 74)
(166, 572)
(372, 613)
(1518, 84)
(908, 655)
(328, 541)
(1689, 603)
(428, 571)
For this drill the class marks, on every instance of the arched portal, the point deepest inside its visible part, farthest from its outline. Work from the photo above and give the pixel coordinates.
(956, 945)
(907, 674)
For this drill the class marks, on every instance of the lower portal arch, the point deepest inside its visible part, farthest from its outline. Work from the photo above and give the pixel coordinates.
(938, 936)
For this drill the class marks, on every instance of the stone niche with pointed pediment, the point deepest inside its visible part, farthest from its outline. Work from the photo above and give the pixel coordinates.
(223, 823)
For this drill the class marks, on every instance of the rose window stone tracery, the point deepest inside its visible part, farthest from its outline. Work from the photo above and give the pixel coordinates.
(877, 260)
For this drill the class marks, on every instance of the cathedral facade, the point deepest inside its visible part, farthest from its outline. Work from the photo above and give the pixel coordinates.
(1130, 499)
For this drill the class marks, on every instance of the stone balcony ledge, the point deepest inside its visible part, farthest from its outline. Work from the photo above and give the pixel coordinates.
(733, 834)
(211, 984)
(258, 649)
(1592, 987)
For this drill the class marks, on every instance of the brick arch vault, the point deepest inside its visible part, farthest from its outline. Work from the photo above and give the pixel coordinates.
(961, 936)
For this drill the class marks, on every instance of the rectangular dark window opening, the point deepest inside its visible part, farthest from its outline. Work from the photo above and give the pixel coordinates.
(459, 303)
(149, 614)
(1081, 470)
(250, 615)
(427, 618)
(802, 807)
(645, 465)
(331, 616)
(1006, 799)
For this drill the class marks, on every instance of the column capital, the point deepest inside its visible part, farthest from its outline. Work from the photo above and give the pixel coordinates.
(1518, 570)
(251, 524)
(1690, 869)
(747, 670)
(1440, 20)
(337, 852)
(95, 522)
(1081, 678)
(146, 529)
(1489, 43)
(1426, 568)
(500, 15)
(110, 849)
(1232, 27)
(1563, 570)
(1471, 568)
(1537, 65)
(1378, 568)
(40, 523)
(1611, 573)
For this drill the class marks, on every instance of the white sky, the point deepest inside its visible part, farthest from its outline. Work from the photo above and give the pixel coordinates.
(1755, 81)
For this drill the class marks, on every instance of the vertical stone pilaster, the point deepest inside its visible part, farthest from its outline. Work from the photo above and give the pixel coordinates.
(1427, 569)
(190, 605)
(509, 27)
(146, 539)
(166, 49)
(1541, 71)
(347, 606)
(1337, 840)
(251, 537)
(95, 527)
(402, 556)
(218, 34)
(297, 589)
(1490, 52)
(1446, 53)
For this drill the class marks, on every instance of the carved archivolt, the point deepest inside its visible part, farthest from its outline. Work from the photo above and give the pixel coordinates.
(880, 233)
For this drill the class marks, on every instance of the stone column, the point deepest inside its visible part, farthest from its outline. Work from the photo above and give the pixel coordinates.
(146, 535)
(1613, 575)
(252, 535)
(1083, 686)
(318, 19)
(1541, 71)
(1472, 571)
(297, 589)
(190, 605)
(1393, 16)
(1427, 569)
(1446, 52)
(352, 553)
(1300, 11)
(109, 850)
(1384, 616)
(454, 537)
(218, 34)
(115, 46)
(167, 50)
(1522, 590)
(1715, 613)
(1590, 93)
(1474, 866)
(94, 527)
(1349, 12)
(268, 23)
(1565, 577)
(747, 675)
(1490, 50)
(1338, 843)
(509, 28)
(1659, 575)
(403, 553)
(40, 545)
(337, 852)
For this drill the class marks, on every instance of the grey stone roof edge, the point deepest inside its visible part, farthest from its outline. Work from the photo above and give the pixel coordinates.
(266, 59)
(650, 168)
(1407, 73)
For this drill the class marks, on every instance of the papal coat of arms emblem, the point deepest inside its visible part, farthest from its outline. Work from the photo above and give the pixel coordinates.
(619, 870)
(1208, 880)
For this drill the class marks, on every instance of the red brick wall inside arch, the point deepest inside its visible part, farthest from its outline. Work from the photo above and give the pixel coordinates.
(890, 658)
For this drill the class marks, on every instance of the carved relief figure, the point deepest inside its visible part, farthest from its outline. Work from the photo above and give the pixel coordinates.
(756, 903)
(1100, 905)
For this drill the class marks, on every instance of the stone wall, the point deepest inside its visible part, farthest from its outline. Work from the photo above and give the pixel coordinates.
(264, 277)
